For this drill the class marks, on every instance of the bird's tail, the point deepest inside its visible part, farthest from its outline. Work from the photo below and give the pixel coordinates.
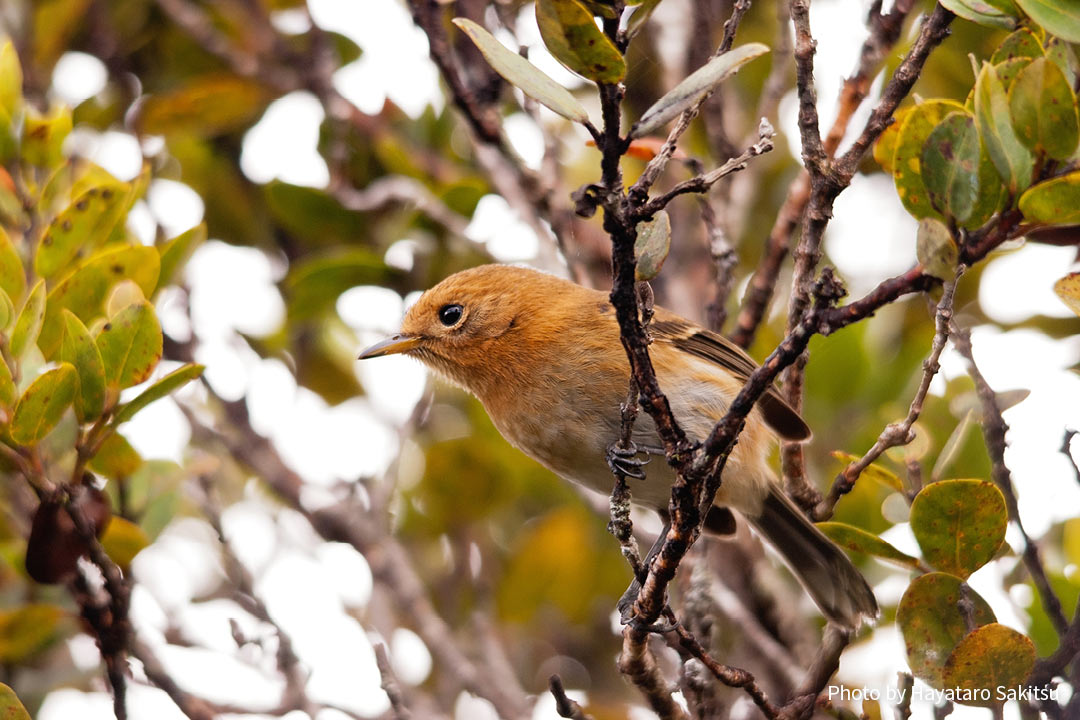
(834, 583)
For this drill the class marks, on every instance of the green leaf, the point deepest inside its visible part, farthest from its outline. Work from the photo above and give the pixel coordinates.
(28, 324)
(859, 540)
(116, 459)
(885, 147)
(952, 445)
(8, 391)
(522, 74)
(12, 274)
(932, 624)
(1058, 17)
(1058, 51)
(79, 349)
(165, 386)
(639, 17)
(873, 471)
(7, 312)
(43, 404)
(315, 283)
(695, 87)
(11, 708)
(935, 249)
(981, 12)
(1007, 73)
(124, 294)
(205, 106)
(1012, 160)
(573, 38)
(11, 79)
(84, 290)
(1043, 110)
(992, 193)
(26, 631)
(950, 166)
(55, 22)
(1055, 202)
(123, 540)
(652, 246)
(176, 252)
(85, 224)
(43, 136)
(1071, 539)
(990, 658)
(130, 345)
(1020, 44)
(960, 524)
(1068, 289)
(917, 124)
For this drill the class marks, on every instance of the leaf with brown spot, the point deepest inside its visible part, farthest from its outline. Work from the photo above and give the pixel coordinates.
(84, 290)
(931, 623)
(84, 224)
(1043, 110)
(960, 524)
(990, 657)
(12, 274)
(1053, 202)
(43, 404)
(11, 708)
(573, 38)
(29, 322)
(859, 540)
(130, 345)
(917, 124)
(79, 349)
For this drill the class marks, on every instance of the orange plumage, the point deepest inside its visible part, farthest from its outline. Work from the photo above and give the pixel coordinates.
(543, 356)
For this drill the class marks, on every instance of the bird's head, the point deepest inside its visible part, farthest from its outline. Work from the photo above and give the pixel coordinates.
(468, 325)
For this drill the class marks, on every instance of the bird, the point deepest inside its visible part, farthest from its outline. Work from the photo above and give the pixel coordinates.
(543, 356)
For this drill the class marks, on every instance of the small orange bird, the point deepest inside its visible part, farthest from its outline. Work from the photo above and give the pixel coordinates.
(543, 356)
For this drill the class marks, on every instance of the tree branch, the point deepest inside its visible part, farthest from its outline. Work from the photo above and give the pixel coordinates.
(994, 429)
(900, 433)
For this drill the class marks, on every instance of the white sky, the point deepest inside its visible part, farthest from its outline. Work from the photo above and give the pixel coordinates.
(232, 289)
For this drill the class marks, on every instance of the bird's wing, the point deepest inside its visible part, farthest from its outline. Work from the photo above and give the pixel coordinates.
(704, 344)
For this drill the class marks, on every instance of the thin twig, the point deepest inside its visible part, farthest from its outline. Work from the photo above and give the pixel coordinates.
(390, 684)
(900, 433)
(994, 430)
(1066, 450)
(640, 191)
(389, 562)
(905, 683)
(294, 695)
(194, 707)
(566, 707)
(884, 33)
(404, 191)
(702, 183)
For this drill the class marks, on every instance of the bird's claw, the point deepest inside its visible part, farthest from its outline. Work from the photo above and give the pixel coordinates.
(625, 461)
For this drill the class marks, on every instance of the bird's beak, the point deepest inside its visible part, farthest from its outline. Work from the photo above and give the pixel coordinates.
(391, 346)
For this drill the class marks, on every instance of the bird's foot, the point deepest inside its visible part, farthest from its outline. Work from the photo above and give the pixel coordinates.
(625, 461)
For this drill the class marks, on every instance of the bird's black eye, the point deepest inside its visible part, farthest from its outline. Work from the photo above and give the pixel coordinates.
(449, 315)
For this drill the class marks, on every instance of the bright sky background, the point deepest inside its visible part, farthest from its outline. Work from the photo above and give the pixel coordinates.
(232, 289)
